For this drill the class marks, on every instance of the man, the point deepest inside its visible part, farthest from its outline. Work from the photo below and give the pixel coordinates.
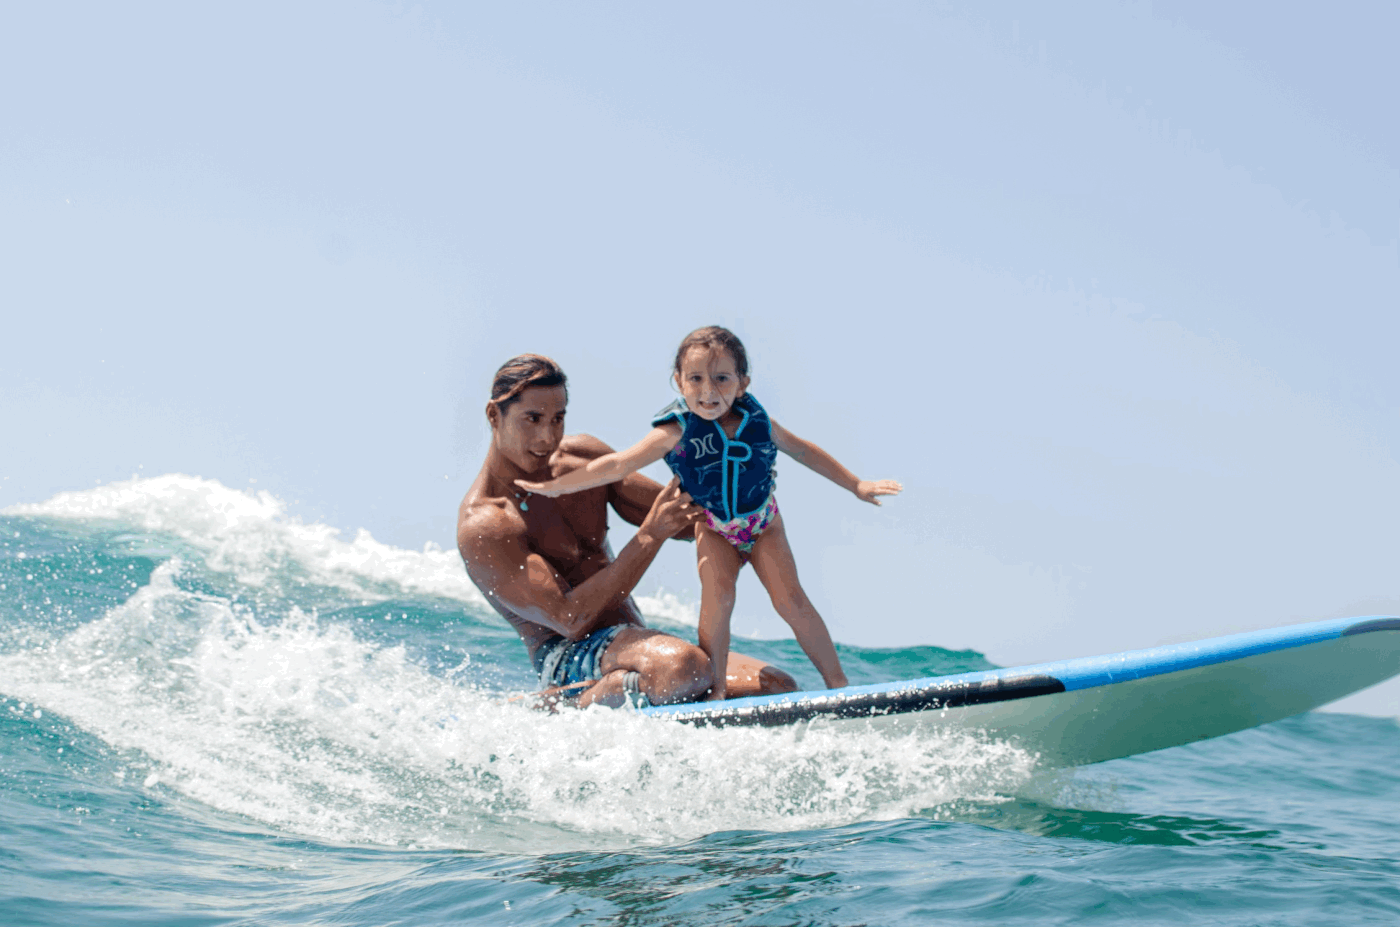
(546, 566)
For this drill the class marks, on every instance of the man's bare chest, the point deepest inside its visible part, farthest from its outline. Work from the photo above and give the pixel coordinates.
(571, 533)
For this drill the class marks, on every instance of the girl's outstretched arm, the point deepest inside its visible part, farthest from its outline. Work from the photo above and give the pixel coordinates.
(814, 458)
(610, 467)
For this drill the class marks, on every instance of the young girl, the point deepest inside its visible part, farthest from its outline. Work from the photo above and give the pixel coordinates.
(721, 444)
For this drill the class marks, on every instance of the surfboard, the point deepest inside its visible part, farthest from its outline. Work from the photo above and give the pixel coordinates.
(1091, 709)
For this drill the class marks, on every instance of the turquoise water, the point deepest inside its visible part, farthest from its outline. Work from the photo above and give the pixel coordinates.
(213, 714)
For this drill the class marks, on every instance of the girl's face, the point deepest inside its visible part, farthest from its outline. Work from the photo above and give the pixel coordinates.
(709, 381)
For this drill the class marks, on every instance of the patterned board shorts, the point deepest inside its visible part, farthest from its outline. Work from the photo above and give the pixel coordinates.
(562, 662)
(743, 531)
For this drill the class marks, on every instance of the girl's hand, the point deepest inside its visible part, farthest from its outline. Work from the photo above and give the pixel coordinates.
(539, 489)
(867, 490)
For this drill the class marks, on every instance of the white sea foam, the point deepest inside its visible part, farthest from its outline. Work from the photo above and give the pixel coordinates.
(300, 725)
(250, 536)
(667, 606)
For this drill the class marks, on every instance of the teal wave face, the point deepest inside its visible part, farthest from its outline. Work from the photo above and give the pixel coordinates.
(55, 576)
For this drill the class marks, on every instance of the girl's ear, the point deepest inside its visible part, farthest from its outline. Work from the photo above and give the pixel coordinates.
(743, 386)
(676, 379)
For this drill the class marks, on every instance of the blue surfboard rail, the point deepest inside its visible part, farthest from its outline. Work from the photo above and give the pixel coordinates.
(1087, 672)
(980, 687)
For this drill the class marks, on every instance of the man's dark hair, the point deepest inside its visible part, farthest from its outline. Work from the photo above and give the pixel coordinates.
(520, 373)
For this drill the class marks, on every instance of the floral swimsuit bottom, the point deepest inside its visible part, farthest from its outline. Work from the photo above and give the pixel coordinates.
(744, 530)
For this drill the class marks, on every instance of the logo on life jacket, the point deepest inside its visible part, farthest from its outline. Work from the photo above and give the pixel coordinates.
(704, 445)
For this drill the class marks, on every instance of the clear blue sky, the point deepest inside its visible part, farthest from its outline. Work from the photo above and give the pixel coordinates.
(1114, 288)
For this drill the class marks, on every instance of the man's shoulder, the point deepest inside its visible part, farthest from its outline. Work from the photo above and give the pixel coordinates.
(488, 520)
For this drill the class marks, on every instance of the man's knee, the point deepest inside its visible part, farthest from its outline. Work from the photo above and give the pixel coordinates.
(694, 665)
(671, 663)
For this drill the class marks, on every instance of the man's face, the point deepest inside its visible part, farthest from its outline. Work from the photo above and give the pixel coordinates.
(709, 381)
(529, 431)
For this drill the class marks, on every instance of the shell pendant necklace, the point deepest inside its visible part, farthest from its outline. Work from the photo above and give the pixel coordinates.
(523, 503)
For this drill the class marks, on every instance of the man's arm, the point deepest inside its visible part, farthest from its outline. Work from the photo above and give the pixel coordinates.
(492, 544)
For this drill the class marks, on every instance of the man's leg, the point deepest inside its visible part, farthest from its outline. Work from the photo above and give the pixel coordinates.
(670, 669)
(673, 670)
(746, 676)
(751, 676)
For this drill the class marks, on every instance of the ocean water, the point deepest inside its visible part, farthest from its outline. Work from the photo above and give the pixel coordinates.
(211, 713)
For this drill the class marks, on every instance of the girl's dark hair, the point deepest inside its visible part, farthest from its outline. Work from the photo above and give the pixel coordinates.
(713, 336)
(518, 374)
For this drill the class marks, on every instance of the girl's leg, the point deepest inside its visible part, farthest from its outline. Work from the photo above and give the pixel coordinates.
(719, 567)
(772, 561)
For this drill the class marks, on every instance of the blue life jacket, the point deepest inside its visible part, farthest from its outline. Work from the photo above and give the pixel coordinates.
(732, 477)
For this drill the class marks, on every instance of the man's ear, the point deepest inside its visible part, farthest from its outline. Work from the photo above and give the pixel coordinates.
(493, 414)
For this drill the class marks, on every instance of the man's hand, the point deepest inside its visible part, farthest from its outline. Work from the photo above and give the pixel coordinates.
(672, 511)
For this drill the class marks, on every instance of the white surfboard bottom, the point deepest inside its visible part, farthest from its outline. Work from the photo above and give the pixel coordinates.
(1141, 715)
